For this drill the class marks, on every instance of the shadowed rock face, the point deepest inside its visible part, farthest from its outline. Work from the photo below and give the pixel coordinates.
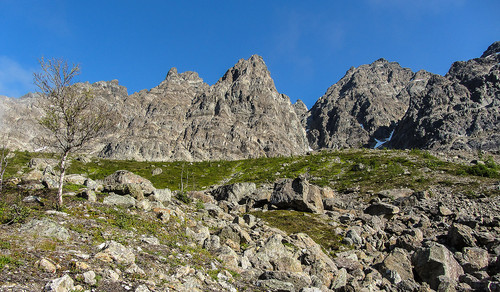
(458, 111)
(365, 104)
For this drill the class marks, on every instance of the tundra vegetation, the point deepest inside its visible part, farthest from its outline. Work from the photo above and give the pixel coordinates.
(176, 251)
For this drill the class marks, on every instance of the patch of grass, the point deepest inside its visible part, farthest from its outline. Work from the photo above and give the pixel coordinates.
(311, 224)
(13, 213)
(195, 174)
(200, 205)
(72, 187)
(7, 260)
(362, 170)
(47, 245)
(489, 170)
(21, 159)
(5, 245)
(213, 274)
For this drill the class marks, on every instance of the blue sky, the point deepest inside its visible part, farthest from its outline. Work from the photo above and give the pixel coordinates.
(307, 45)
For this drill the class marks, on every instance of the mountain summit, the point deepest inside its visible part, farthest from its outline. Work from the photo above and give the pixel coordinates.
(241, 116)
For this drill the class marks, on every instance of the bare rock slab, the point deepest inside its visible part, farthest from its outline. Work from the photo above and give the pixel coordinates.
(433, 261)
(46, 228)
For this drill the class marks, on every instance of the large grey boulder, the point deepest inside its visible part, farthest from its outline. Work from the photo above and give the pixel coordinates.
(234, 193)
(460, 236)
(297, 194)
(318, 263)
(63, 284)
(273, 255)
(130, 189)
(397, 266)
(162, 195)
(126, 182)
(434, 261)
(474, 259)
(275, 285)
(299, 280)
(117, 252)
(75, 179)
(380, 208)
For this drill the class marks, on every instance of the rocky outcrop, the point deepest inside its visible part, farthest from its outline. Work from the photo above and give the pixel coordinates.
(456, 112)
(241, 116)
(363, 106)
(384, 104)
(151, 122)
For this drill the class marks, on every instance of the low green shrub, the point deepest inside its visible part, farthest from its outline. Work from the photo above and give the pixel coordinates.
(183, 197)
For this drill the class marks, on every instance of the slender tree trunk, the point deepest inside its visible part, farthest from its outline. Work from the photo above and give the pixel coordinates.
(3, 166)
(61, 179)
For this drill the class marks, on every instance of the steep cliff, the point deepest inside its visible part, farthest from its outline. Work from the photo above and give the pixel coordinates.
(363, 106)
(459, 111)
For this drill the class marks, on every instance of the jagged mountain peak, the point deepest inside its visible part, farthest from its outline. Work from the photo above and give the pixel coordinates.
(174, 77)
(458, 111)
(362, 106)
(493, 49)
(252, 68)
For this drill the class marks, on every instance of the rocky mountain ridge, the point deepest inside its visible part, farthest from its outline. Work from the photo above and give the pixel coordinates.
(372, 103)
(244, 116)
(458, 111)
(183, 118)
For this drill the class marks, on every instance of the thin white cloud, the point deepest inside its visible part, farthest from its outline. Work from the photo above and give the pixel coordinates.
(15, 80)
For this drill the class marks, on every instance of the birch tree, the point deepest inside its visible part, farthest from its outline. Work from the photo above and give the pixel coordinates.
(72, 115)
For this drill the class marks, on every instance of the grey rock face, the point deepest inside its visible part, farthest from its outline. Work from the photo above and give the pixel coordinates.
(302, 112)
(384, 102)
(362, 106)
(434, 261)
(18, 125)
(456, 112)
